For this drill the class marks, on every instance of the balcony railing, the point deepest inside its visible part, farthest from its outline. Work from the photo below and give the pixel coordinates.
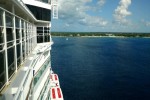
(45, 89)
(40, 72)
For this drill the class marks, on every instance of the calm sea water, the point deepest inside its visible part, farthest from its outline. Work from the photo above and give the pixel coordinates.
(103, 68)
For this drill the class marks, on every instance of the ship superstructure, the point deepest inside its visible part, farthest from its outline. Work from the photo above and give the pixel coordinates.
(25, 44)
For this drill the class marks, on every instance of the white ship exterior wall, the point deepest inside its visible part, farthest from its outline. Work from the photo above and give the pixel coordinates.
(26, 40)
(24, 44)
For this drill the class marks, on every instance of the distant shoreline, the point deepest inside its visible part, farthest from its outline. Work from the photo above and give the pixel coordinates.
(90, 36)
(100, 34)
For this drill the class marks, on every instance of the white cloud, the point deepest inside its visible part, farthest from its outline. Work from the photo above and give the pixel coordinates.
(98, 5)
(121, 12)
(146, 23)
(101, 2)
(76, 11)
(93, 21)
(67, 25)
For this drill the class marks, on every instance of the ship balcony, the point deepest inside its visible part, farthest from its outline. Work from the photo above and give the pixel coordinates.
(35, 71)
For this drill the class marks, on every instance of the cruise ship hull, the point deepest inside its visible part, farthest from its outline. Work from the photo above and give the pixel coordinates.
(25, 45)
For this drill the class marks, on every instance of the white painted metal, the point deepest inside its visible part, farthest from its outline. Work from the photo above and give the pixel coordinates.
(5, 46)
(43, 34)
(25, 49)
(14, 37)
(20, 31)
(27, 29)
(19, 87)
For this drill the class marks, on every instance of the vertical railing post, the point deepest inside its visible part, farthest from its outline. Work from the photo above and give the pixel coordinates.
(25, 40)
(43, 35)
(50, 32)
(28, 38)
(14, 35)
(5, 47)
(35, 34)
(20, 32)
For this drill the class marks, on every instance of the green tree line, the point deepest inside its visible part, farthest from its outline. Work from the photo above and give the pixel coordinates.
(78, 34)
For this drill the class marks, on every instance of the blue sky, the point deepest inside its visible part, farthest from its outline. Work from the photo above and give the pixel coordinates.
(102, 16)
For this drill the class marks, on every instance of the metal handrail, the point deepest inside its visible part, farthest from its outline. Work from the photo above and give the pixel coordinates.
(32, 82)
(28, 72)
(24, 81)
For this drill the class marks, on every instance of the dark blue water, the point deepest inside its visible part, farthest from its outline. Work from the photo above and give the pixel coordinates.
(103, 68)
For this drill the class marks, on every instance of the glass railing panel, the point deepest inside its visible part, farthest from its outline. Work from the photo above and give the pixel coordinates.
(1, 46)
(9, 34)
(23, 50)
(48, 96)
(17, 33)
(9, 20)
(22, 24)
(1, 38)
(2, 69)
(44, 89)
(22, 33)
(1, 17)
(17, 22)
(1, 35)
(11, 65)
(18, 54)
(20, 96)
(40, 72)
(10, 43)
